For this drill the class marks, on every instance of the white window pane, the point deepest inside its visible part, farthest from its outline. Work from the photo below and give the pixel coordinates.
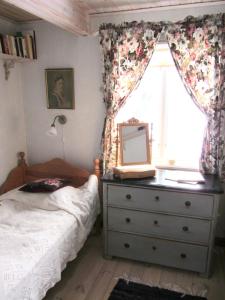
(185, 123)
(162, 100)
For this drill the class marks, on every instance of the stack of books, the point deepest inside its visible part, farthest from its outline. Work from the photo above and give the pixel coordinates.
(22, 44)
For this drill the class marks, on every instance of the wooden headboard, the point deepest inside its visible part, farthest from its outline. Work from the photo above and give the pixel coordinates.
(54, 168)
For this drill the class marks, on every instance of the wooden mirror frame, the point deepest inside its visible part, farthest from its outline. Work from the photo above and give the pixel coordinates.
(120, 158)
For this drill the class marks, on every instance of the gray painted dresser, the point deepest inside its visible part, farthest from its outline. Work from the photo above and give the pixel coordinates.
(160, 221)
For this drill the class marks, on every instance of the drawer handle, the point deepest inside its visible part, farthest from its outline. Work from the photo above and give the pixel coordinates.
(157, 198)
(185, 228)
(128, 196)
(187, 203)
(128, 220)
(183, 255)
(126, 245)
(154, 248)
(156, 222)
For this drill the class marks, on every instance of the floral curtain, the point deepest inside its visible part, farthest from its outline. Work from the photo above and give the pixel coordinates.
(127, 50)
(197, 46)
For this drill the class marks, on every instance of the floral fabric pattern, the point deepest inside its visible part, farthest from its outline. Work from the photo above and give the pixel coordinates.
(127, 50)
(197, 48)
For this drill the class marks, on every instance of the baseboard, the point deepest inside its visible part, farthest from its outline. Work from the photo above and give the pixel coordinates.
(220, 241)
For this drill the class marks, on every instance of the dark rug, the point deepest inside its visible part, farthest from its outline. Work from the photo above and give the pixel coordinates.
(128, 290)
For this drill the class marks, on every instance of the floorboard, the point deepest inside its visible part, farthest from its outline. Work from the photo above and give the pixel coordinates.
(92, 277)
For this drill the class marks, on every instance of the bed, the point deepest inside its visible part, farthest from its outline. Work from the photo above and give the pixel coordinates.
(41, 232)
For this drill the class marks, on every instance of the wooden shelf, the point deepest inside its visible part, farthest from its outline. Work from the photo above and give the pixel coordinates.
(15, 58)
(10, 60)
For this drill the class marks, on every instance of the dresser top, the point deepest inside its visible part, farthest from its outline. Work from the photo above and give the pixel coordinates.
(211, 185)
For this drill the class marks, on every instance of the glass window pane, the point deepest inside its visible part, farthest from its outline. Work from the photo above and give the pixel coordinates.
(162, 100)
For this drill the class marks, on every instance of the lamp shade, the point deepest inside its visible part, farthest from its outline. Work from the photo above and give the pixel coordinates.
(52, 131)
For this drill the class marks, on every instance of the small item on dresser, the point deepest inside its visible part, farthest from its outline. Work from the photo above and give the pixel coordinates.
(44, 185)
(135, 171)
(185, 177)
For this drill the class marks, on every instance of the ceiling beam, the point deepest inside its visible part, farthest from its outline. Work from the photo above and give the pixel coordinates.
(67, 14)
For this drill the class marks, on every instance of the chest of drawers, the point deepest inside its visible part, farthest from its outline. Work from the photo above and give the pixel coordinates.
(159, 222)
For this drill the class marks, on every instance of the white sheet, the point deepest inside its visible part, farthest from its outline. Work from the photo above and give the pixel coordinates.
(39, 234)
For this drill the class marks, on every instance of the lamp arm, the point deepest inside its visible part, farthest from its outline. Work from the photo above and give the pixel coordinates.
(61, 118)
(53, 123)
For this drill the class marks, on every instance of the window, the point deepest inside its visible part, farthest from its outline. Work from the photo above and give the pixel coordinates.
(162, 101)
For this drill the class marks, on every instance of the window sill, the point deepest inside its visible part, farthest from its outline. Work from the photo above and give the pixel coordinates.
(176, 168)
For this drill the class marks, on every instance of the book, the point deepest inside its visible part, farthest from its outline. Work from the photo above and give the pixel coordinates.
(6, 44)
(12, 45)
(30, 38)
(17, 47)
(33, 40)
(28, 43)
(185, 177)
(24, 48)
(33, 48)
(2, 43)
(1, 49)
(20, 45)
(9, 44)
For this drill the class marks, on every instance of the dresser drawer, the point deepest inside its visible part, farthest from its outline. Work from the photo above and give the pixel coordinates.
(174, 254)
(164, 201)
(179, 228)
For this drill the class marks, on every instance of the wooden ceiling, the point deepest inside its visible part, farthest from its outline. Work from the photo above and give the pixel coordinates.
(74, 15)
(111, 6)
(15, 14)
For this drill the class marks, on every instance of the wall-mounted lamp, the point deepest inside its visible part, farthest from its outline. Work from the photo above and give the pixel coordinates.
(53, 131)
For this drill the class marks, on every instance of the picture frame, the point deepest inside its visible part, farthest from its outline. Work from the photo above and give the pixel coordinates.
(60, 88)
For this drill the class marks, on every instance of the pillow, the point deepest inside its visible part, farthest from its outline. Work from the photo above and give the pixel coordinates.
(44, 185)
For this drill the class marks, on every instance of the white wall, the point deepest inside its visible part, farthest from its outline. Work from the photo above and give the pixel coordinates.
(12, 125)
(82, 133)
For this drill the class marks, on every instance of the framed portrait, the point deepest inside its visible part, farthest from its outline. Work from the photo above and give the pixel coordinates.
(60, 88)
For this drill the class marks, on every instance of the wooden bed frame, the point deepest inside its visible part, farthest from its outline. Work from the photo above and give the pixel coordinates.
(54, 168)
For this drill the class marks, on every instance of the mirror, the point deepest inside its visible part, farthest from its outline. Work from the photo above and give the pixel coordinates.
(134, 143)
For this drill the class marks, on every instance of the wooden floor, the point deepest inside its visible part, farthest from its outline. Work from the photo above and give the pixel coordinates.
(91, 277)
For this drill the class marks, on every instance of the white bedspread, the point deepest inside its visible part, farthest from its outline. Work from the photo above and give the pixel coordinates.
(39, 234)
